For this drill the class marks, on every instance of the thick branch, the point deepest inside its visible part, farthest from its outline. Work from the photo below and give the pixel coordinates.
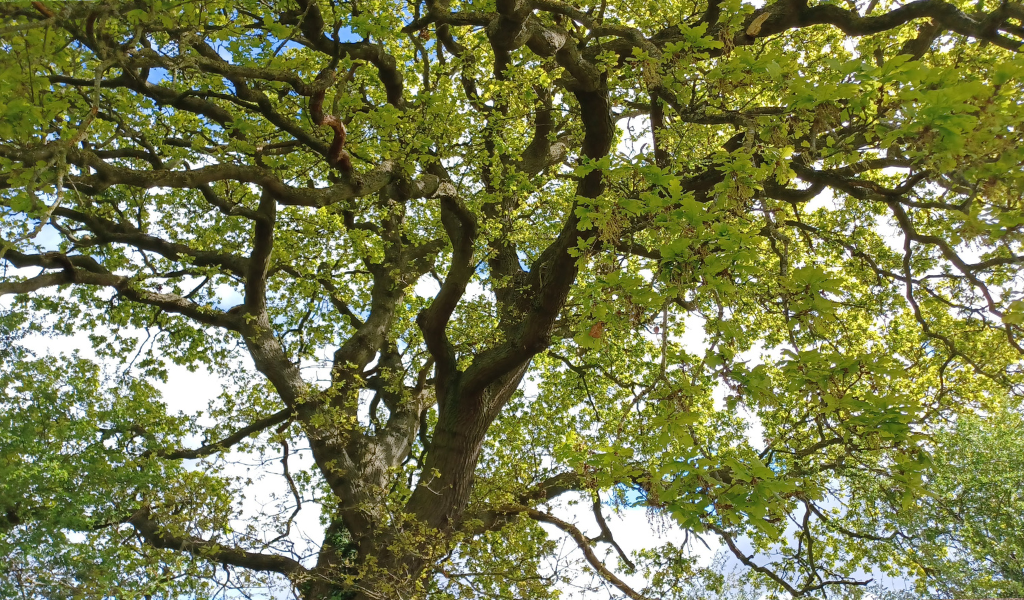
(312, 24)
(259, 260)
(461, 226)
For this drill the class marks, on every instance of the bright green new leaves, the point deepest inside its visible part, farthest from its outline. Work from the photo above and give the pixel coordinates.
(78, 455)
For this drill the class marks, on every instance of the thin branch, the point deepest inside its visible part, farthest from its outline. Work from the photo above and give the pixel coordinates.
(588, 552)
(606, 533)
(155, 535)
(224, 444)
(748, 562)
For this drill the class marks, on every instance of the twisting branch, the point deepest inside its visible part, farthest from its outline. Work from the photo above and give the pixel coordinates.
(588, 552)
(542, 492)
(158, 537)
(110, 232)
(228, 208)
(606, 533)
(832, 524)
(259, 259)
(311, 22)
(337, 156)
(291, 486)
(86, 271)
(461, 226)
(840, 179)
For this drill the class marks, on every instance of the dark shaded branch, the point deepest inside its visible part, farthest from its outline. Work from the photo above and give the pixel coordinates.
(158, 537)
(795, 592)
(312, 24)
(230, 209)
(588, 552)
(259, 260)
(33, 284)
(107, 231)
(791, 14)
(542, 152)
(854, 534)
(493, 519)
(606, 533)
(162, 95)
(108, 175)
(554, 271)
(461, 226)
(219, 446)
(86, 271)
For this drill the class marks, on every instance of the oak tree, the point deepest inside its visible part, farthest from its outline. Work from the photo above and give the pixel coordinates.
(480, 257)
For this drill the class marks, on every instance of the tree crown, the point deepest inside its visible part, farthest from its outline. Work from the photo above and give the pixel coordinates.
(476, 257)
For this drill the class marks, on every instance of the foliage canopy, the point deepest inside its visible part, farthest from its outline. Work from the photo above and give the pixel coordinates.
(476, 257)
